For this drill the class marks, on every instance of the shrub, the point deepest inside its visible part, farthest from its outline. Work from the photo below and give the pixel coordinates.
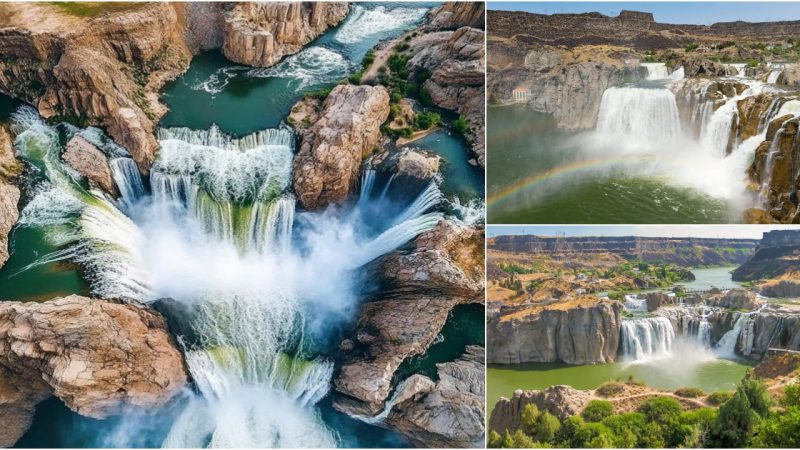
(661, 409)
(626, 428)
(401, 47)
(718, 398)
(691, 47)
(610, 388)
(791, 395)
(597, 410)
(494, 440)
(426, 120)
(689, 392)
(734, 422)
(460, 125)
(530, 414)
(547, 426)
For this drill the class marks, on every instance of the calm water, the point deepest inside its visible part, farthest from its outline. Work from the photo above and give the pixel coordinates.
(719, 277)
(540, 174)
(709, 376)
(460, 178)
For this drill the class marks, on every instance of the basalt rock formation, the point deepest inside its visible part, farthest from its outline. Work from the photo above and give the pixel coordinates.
(560, 401)
(420, 286)
(328, 162)
(90, 162)
(104, 70)
(778, 253)
(454, 15)
(260, 34)
(685, 252)
(456, 61)
(448, 413)
(9, 192)
(584, 331)
(100, 358)
(776, 171)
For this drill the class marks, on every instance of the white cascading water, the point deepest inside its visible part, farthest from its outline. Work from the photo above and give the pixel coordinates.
(646, 338)
(773, 76)
(215, 234)
(363, 22)
(635, 304)
(639, 113)
(656, 71)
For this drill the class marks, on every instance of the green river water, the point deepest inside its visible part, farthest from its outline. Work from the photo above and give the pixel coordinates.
(239, 102)
(538, 173)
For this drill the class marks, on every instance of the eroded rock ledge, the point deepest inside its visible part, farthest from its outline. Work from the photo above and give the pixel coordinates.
(260, 34)
(10, 168)
(100, 358)
(345, 131)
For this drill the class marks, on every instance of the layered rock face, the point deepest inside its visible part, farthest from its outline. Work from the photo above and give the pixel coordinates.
(99, 358)
(456, 61)
(560, 401)
(656, 300)
(776, 170)
(90, 162)
(104, 70)
(260, 34)
(448, 413)
(420, 286)
(453, 15)
(776, 255)
(10, 168)
(328, 163)
(584, 334)
(790, 75)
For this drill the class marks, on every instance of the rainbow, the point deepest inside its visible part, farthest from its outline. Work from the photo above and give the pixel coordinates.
(572, 168)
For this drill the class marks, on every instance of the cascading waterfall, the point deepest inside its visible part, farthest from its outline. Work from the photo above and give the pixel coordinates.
(773, 76)
(642, 113)
(656, 71)
(646, 338)
(215, 233)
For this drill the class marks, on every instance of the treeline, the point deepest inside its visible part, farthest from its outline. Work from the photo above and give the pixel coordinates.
(749, 418)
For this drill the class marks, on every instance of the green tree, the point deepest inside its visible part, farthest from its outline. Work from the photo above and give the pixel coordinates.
(547, 426)
(734, 423)
(460, 125)
(626, 428)
(529, 417)
(757, 395)
(565, 437)
(507, 441)
(594, 435)
(522, 440)
(779, 430)
(597, 410)
(494, 440)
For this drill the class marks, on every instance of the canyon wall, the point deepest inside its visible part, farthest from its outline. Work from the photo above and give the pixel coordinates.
(777, 254)
(584, 334)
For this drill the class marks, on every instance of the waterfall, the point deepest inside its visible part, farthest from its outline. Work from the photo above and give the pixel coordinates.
(367, 183)
(727, 344)
(774, 149)
(215, 234)
(647, 114)
(128, 180)
(635, 304)
(646, 338)
(769, 114)
(715, 135)
(773, 76)
(656, 71)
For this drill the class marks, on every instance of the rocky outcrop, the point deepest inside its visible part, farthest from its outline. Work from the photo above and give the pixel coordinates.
(412, 165)
(790, 76)
(99, 358)
(453, 15)
(582, 332)
(448, 413)
(9, 193)
(781, 289)
(104, 70)
(260, 34)
(328, 163)
(737, 299)
(90, 162)
(656, 300)
(419, 288)
(696, 67)
(560, 401)
(776, 255)
(457, 63)
(776, 170)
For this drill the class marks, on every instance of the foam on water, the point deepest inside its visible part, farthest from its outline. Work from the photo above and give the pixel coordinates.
(217, 81)
(365, 22)
(312, 66)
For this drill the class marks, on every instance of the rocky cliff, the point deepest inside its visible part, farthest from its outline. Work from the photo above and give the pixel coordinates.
(686, 252)
(583, 331)
(90, 162)
(420, 286)
(99, 358)
(104, 70)
(260, 34)
(346, 130)
(456, 61)
(10, 168)
(560, 401)
(776, 172)
(454, 15)
(778, 253)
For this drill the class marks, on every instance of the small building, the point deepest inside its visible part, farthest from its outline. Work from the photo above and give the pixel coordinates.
(521, 94)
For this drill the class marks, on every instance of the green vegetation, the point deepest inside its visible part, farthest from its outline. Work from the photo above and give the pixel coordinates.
(93, 9)
(320, 94)
(610, 388)
(691, 47)
(744, 419)
(689, 392)
(460, 125)
(718, 398)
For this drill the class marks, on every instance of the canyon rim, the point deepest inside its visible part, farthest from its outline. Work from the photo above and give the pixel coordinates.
(242, 224)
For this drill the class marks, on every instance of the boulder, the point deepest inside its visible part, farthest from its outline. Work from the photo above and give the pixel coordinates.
(695, 67)
(100, 358)
(790, 76)
(560, 401)
(10, 168)
(453, 15)
(260, 34)
(417, 165)
(585, 331)
(90, 162)
(328, 163)
(738, 299)
(448, 413)
(656, 300)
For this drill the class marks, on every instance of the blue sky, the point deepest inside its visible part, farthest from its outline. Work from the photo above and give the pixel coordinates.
(704, 13)
(708, 231)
